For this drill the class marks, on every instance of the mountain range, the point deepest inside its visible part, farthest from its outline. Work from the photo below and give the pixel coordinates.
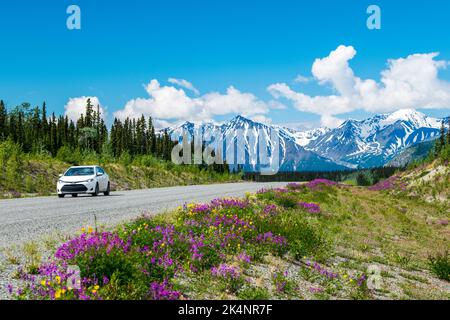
(372, 142)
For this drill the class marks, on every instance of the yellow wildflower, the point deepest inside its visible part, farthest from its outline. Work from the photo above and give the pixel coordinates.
(44, 283)
(58, 294)
(58, 279)
(90, 229)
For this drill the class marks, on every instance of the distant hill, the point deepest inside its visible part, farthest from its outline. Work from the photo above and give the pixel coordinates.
(415, 153)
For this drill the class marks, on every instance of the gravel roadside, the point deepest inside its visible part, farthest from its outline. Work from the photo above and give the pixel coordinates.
(32, 219)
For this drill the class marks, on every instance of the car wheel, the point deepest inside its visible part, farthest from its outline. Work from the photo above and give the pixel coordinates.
(60, 195)
(74, 195)
(96, 191)
(108, 190)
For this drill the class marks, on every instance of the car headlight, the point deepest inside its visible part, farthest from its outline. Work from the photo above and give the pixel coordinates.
(87, 181)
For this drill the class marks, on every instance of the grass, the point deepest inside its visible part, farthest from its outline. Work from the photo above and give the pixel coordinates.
(440, 265)
(33, 175)
(312, 241)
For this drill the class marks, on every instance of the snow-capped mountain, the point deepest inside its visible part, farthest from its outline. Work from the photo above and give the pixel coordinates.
(293, 157)
(375, 141)
(303, 138)
(364, 143)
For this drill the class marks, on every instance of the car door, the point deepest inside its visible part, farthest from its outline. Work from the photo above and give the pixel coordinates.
(102, 179)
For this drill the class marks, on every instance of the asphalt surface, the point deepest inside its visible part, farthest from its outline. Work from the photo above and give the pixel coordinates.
(27, 219)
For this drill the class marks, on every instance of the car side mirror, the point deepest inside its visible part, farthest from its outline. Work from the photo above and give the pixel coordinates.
(99, 174)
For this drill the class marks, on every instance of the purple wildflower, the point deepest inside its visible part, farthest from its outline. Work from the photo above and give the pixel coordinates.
(226, 271)
(310, 207)
(162, 291)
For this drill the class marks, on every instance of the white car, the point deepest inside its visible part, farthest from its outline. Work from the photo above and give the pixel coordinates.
(83, 180)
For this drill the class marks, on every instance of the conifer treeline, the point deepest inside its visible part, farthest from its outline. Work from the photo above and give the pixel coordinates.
(443, 143)
(35, 131)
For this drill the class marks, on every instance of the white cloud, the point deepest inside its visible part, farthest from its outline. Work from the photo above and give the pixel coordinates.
(261, 119)
(162, 124)
(184, 84)
(410, 82)
(302, 79)
(330, 121)
(77, 106)
(170, 103)
(276, 105)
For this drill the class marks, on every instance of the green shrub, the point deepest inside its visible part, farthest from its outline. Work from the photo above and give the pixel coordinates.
(440, 265)
(253, 293)
(66, 154)
(125, 159)
(304, 237)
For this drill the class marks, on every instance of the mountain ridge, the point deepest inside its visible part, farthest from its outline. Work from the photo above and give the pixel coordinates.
(366, 143)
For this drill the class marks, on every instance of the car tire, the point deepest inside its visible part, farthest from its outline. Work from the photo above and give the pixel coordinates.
(74, 195)
(108, 190)
(96, 190)
(61, 195)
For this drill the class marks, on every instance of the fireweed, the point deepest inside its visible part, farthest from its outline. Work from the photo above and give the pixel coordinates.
(315, 267)
(391, 183)
(139, 260)
(284, 284)
(144, 259)
(310, 207)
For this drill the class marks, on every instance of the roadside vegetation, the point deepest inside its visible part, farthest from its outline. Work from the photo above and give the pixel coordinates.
(316, 240)
(23, 174)
(35, 148)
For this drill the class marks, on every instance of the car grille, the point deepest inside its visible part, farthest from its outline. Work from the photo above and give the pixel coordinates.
(74, 188)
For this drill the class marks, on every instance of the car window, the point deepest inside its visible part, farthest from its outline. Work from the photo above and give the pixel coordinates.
(73, 172)
(100, 170)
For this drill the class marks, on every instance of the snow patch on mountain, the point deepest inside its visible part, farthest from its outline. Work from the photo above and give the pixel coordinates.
(355, 143)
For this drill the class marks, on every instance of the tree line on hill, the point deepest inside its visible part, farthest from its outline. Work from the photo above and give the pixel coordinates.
(361, 177)
(442, 144)
(37, 132)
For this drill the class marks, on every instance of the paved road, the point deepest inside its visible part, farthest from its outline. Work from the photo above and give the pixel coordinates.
(22, 220)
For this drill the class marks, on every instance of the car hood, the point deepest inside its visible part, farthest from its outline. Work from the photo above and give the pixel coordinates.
(76, 178)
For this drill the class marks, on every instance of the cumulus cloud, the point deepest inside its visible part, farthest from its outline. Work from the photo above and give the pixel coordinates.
(276, 105)
(184, 84)
(170, 103)
(410, 82)
(301, 79)
(77, 106)
(330, 121)
(261, 119)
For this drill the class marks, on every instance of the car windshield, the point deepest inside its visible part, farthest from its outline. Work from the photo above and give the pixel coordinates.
(73, 172)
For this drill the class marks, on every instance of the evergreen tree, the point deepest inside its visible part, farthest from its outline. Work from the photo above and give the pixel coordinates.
(448, 132)
(3, 121)
(442, 136)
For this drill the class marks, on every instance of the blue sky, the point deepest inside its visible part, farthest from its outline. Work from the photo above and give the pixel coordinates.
(249, 45)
